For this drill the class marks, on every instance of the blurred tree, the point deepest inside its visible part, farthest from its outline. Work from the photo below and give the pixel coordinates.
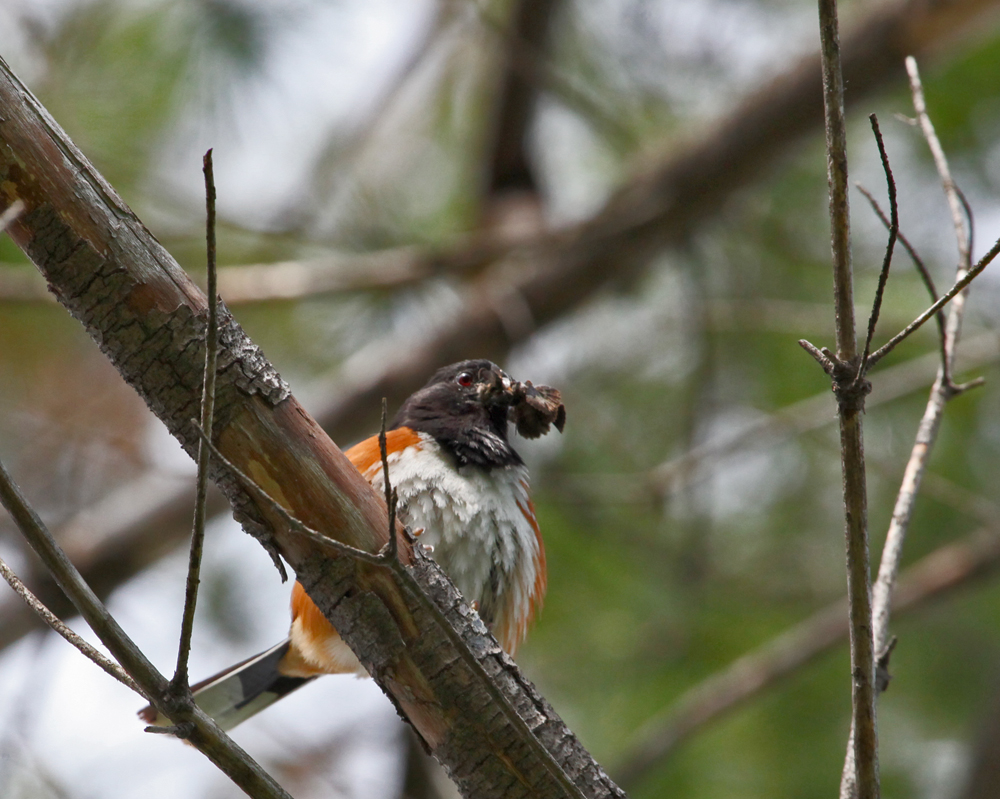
(678, 251)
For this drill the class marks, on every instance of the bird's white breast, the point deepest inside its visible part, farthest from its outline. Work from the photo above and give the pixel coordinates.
(477, 523)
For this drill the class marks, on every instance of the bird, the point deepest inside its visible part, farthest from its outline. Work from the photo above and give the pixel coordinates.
(464, 489)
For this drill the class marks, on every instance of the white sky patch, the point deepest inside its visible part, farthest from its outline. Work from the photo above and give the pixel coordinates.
(325, 71)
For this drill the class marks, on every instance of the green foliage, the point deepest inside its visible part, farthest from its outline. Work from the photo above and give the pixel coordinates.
(113, 83)
(651, 589)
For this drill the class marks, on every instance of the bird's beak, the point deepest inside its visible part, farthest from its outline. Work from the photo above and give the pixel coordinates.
(501, 389)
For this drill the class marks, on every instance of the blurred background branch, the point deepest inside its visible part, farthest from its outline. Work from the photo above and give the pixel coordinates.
(661, 248)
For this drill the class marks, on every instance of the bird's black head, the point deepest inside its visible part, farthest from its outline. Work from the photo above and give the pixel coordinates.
(465, 408)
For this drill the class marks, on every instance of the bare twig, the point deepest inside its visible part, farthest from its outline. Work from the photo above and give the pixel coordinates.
(251, 485)
(957, 288)
(890, 245)
(836, 144)
(903, 510)
(392, 546)
(941, 392)
(918, 262)
(89, 606)
(957, 206)
(205, 733)
(947, 568)
(863, 781)
(57, 624)
(967, 209)
(180, 680)
(961, 215)
(822, 355)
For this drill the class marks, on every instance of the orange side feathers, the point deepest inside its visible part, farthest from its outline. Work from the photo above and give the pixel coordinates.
(365, 454)
(541, 573)
(304, 610)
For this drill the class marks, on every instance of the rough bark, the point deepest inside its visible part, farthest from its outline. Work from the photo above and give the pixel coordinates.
(149, 319)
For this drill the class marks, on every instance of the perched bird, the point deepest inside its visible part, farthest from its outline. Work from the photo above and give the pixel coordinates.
(458, 480)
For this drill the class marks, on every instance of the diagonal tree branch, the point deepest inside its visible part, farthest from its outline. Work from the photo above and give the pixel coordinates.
(199, 729)
(149, 318)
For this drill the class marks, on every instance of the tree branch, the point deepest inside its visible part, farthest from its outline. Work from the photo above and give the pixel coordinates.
(148, 318)
(956, 289)
(860, 778)
(883, 277)
(941, 392)
(918, 262)
(46, 615)
(180, 681)
(200, 730)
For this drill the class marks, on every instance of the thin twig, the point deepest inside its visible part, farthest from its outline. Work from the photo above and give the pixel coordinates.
(890, 245)
(969, 220)
(959, 211)
(247, 482)
(210, 739)
(57, 624)
(961, 214)
(392, 546)
(822, 355)
(941, 392)
(943, 300)
(918, 262)
(955, 201)
(86, 602)
(180, 680)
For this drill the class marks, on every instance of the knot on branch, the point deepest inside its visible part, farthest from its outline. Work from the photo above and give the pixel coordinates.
(850, 387)
(849, 384)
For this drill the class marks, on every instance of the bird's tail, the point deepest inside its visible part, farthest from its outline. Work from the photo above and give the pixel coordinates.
(241, 691)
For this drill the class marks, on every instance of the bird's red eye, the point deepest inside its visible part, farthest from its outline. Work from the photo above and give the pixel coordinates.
(464, 379)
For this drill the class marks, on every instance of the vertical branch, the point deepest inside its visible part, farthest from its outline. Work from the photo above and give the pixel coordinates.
(392, 548)
(955, 204)
(861, 775)
(883, 277)
(958, 210)
(510, 199)
(180, 681)
(942, 391)
(836, 175)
